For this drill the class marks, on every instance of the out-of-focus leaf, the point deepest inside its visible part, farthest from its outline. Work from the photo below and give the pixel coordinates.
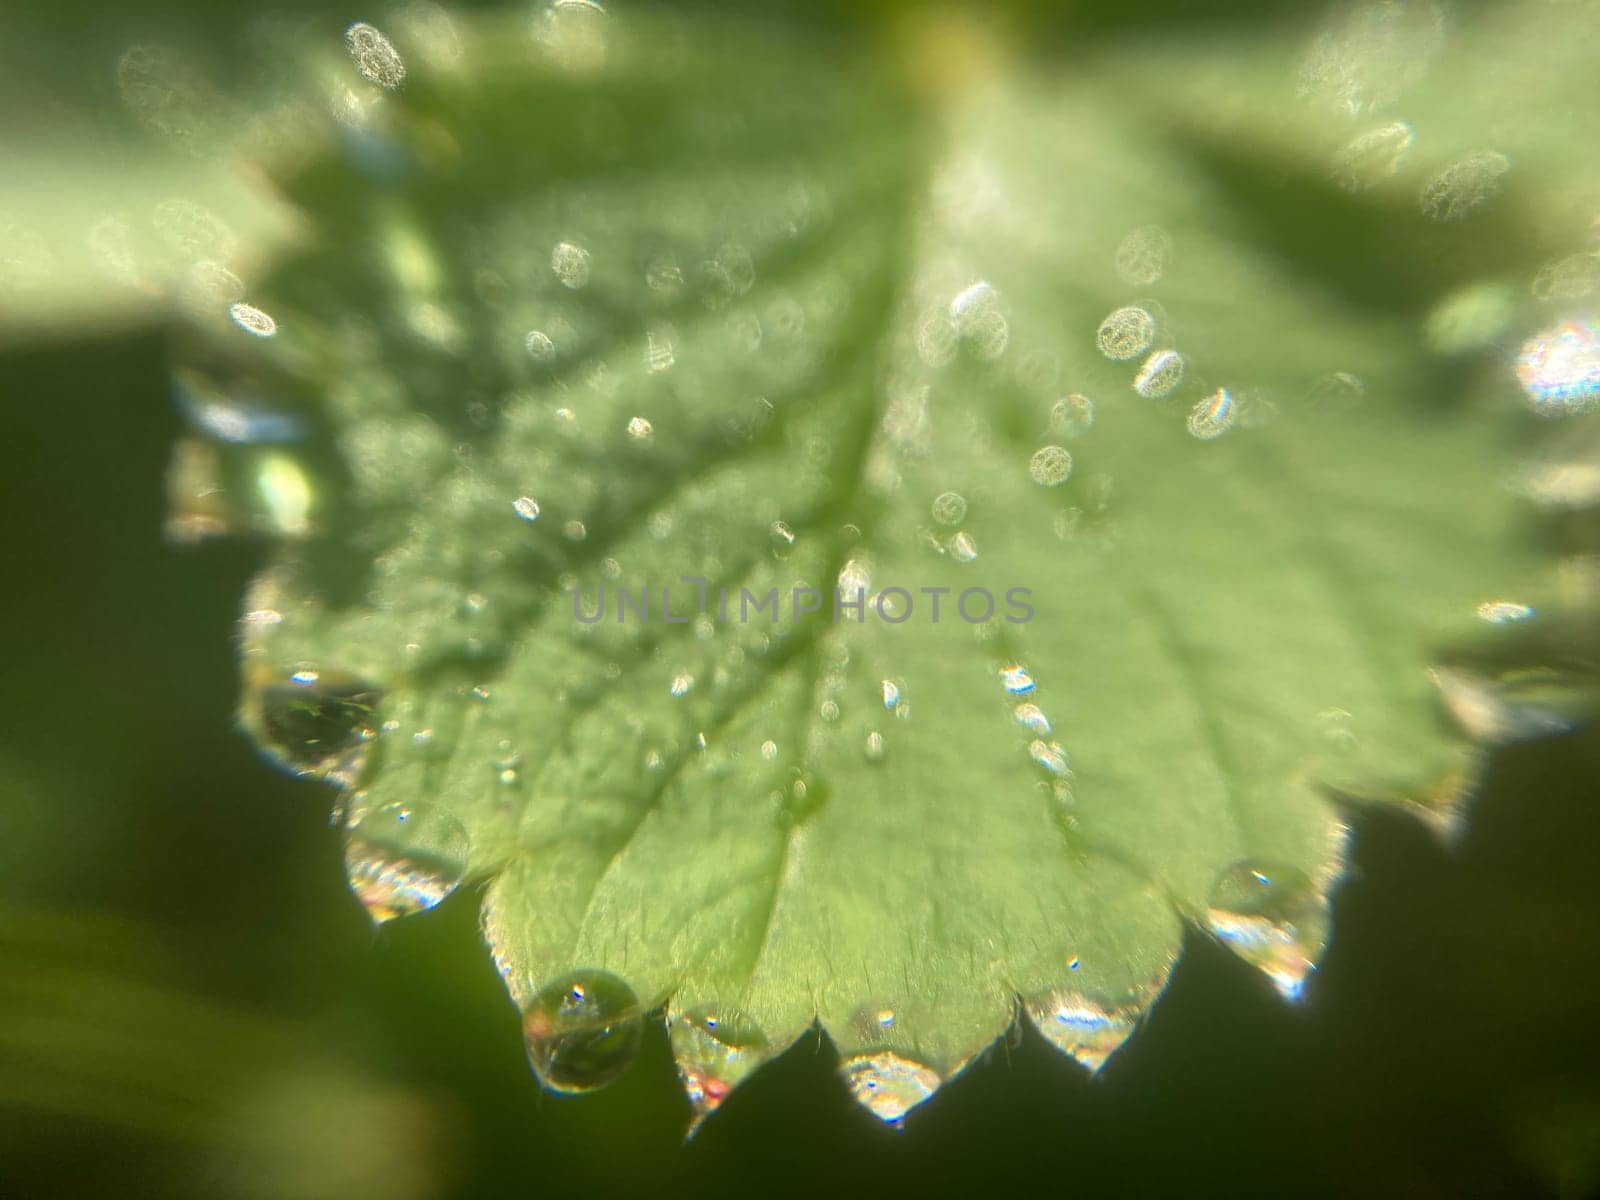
(595, 304)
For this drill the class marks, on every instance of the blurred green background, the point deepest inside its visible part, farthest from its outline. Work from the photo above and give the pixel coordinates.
(191, 1003)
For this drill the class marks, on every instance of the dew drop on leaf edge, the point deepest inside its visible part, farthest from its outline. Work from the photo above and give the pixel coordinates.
(403, 859)
(582, 1031)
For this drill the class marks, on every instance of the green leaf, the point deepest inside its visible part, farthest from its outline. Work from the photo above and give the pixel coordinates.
(1203, 420)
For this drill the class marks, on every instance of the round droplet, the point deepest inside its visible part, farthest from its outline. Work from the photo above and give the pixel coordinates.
(888, 1085)
(526, 507)
(374, 55)
(1142, 256)
(1072, 415)
(571, 265)
(1464, 186)
(716, 1050)
(1213, 416)
(1274, 918)
(405, 858)
(1126, 333)
(582, 1031)
(963, 547)
(949, 508)
(1050, 466)
(874, 749)
(1159, 374)
(316, 723)
(640, 429)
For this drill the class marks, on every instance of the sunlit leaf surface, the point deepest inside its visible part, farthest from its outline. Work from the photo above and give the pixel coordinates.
(1114, 432)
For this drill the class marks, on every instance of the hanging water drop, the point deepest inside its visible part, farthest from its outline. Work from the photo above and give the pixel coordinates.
(1274, 918)
(1500, 706)
(582, 1031)
(888, 1085)
(316, 723)
(1086, 1030)
(405, 858)
(716, 1050)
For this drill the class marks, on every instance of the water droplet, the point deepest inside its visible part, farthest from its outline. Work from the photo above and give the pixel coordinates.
(716, 1050)
(1050, 756)
(660, 351)
(1142, 256)
(874, 749)
(1503, 612)
(1274, 918)
(1159, 374)
(318, 724)
(573, 33)
(1464, 186)
(640, 429)
(1126, 333)
(582, 1031)
(769, 750)
(539, 346)
(526, 507)
(1520, 704)
(575, 531)
(855, 579)
(782, 535)
(1016, 680)
(375, 56)
(682, 684)
(949, 508)
(1571, 278)
(892, 698)
(1372, 156)
(1072, 415)
(888, 1085)
(664, 275)
(253, 320)
(977, 318)
(1086, 1030)
(1031, 717)
(1050, 466)
(1213, 416)
(963, 548)
(571, 265)
(405, 858)
(936, 338)
(1559, 369)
